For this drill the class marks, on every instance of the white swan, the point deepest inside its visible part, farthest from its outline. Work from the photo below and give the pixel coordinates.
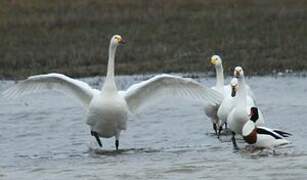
(107, 109)
(262, 137)
(241, 111)
(211, 111)
(225, 90)
(227, 104)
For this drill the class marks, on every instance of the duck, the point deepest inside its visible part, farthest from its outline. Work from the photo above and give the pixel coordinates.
(262, 137)
(243, 103)
(107, 109)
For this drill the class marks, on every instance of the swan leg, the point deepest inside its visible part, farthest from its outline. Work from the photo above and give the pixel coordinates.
(95, 134)
(220, 130)
(233, 139)
(117, 139)
(215, 128)
(116, 144)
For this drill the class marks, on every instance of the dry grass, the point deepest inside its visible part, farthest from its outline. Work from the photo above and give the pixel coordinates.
(72, 36)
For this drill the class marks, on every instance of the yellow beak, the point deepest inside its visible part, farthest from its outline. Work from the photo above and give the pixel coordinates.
(213, 61)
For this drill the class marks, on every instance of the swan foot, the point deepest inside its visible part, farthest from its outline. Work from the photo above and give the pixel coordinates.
(116, 144)
(233, 139)
(95, 134)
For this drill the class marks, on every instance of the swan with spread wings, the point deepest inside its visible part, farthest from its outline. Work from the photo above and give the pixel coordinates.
(107, 109)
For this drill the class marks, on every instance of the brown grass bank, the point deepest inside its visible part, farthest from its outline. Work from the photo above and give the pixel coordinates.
(72, 36)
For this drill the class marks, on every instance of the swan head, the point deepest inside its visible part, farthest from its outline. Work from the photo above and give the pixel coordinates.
(238, 72)
(234, 86)
(216, 60)
(117, 40)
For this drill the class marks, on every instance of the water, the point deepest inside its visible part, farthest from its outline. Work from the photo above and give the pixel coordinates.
(44, 136)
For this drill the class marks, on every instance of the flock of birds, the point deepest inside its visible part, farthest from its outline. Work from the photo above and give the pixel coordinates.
(230, 106)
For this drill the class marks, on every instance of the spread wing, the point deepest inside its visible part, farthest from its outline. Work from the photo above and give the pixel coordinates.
(56, 82)
(151, 91)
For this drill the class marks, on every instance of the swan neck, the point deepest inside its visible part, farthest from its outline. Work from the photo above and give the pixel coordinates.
(219, 78)
(110, 82)
(242, 93)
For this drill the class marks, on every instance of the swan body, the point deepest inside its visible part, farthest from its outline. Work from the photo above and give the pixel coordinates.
(107, 109)
(240, 113)
(218, 113)
(228, 102)
(262, 137)
(107, 115)
(212, 110)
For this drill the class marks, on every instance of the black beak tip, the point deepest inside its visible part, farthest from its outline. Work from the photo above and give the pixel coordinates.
(123, 41)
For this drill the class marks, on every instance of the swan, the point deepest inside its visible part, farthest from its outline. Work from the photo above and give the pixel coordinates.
(225, 90)
(241, 111)
(262, 137)
(211, 111)
(227, 105)
(107, 109)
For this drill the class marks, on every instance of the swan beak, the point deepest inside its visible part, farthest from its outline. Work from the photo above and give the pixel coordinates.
(122, 41)
(213, 61)
(237, 74)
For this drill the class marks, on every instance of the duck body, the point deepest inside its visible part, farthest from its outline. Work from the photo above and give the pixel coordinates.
(263, 137)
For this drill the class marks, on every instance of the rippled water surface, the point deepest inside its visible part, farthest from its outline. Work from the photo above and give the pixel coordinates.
(44, 136)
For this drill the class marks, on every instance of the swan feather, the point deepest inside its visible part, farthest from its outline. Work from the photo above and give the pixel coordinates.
(53, 81)
(141, 95)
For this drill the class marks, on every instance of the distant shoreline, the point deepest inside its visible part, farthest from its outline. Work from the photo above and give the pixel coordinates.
(72, 37)
(194, 75)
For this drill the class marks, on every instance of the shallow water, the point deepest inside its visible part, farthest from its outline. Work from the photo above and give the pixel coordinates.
(44, 136)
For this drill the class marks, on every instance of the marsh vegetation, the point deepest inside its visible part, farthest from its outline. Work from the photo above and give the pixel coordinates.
(72, 36)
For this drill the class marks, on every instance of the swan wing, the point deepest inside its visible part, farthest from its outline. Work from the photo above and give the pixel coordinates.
(56, 82)
(149, 92)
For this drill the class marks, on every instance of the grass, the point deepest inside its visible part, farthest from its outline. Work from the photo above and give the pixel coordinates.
(72, 36)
